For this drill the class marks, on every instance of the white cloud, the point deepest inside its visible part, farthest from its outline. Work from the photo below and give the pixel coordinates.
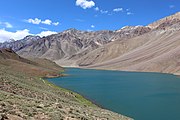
(19, 34)
(47, 22)
(34, 21)
(172, 6)
(96, 9)
(85, 3)
(118, 9)
(104, 11)
(46, 33)
(129, 13)
(55, 23)
(38, 21)
(6, 24)
(92, 26)
(101, 10)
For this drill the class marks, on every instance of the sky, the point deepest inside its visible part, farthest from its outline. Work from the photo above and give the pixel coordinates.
(19, 18)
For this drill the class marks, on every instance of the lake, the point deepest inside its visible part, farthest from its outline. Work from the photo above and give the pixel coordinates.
(142, 96)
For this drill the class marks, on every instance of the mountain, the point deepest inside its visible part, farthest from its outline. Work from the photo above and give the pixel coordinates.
(70, 43)
(17, 45)
(159, 53)
(155, 51)
(135, 48)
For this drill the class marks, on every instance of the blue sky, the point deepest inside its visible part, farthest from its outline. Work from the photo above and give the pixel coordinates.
(43, 17)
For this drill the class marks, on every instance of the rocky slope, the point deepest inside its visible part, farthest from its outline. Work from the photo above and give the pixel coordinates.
(17, 45)
(70, 44)
(101, 49)
(159, 53)
(24, 95)
(155, 51)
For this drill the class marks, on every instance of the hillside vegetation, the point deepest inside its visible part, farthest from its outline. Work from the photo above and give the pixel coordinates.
(25, 95)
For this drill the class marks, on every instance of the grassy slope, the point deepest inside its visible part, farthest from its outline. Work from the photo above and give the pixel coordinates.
(25, 95)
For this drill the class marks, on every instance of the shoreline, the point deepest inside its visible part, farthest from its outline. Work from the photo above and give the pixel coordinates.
(46, 81)
(94, 102)
(85, 104)
(84, 98)
(135, 71)
(76, 93)
(88, 99)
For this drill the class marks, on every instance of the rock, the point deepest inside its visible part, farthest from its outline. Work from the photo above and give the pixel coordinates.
(3, 116)
(59, 105)
(40, 106)
(13, 117)
(3, 104)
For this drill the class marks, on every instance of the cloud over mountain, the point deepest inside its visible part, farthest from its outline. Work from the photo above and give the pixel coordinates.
(19, 34)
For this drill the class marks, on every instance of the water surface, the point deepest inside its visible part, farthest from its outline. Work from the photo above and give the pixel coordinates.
(142, 96)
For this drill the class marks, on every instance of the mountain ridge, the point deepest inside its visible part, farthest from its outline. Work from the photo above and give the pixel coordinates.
(167, 20)
(75, 48)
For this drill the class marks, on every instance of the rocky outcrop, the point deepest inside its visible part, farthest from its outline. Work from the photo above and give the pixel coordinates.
(128, 32)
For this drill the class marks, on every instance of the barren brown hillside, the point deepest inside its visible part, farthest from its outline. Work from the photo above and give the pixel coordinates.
(34, 67)
(151, 48)
(159, 53)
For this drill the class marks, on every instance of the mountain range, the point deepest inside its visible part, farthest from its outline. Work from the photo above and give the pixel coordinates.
(151, 48)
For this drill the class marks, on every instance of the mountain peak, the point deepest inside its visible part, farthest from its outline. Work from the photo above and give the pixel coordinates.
(178, 13)
(166, 21)
(71, 29)
(31, 37)
(10, 40)
(125, 28)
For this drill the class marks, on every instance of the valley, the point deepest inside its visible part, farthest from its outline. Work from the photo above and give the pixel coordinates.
(26, 64)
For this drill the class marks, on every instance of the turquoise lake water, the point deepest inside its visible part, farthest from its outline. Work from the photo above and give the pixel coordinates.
(142, 96)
